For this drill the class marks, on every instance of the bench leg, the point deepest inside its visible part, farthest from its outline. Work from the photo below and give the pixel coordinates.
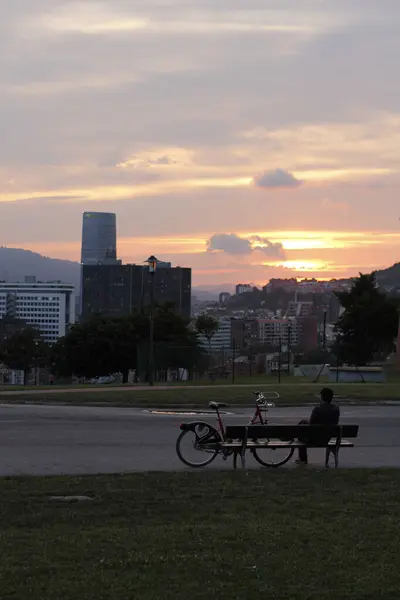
(235, 457)
(327, 454)
(336, 455)
(243, 459)
(335, 452)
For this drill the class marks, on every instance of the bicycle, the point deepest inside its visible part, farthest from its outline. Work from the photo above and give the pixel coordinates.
(207, 439)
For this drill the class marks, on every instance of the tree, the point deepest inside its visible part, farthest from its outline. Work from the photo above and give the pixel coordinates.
(10, 325)
(314, 357)
(24, 350)
(182, 352)
(369, 324)
(176, 346)
(98, 347)
(207, 326)
(106, 345)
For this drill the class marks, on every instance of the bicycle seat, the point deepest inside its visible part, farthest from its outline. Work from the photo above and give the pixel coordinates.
(257, 393)
(217, 405)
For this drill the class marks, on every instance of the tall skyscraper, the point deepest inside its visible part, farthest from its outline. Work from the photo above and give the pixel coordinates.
(99, 238)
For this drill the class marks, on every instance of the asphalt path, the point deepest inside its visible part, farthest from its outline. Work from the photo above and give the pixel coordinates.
(50, 440)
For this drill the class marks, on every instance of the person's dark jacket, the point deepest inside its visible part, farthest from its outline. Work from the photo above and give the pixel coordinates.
(323, 414)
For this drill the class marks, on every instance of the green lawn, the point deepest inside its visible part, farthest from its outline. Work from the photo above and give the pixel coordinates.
(256, 381)
(199, 396)
(284, 535)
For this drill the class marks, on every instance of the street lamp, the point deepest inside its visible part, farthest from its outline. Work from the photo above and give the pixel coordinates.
(152, 264)
(324, 330)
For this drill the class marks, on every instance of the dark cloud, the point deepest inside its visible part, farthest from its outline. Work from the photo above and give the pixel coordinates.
(271, 249)
(276, 179)
(231, 243)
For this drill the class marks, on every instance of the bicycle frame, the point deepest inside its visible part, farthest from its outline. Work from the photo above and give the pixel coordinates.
(261, 404)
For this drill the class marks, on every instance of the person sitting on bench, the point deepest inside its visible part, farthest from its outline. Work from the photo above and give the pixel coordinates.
(325, 413)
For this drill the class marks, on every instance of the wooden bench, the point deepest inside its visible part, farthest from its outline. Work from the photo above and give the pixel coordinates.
(240, 438)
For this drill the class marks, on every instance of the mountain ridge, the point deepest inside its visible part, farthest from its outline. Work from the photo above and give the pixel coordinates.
(17, 263)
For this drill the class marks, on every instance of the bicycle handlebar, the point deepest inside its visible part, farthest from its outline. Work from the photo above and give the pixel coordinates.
(275, 395)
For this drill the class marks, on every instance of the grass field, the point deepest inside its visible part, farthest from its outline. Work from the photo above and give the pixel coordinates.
(287, 535)
(256, 381)
(199, 396)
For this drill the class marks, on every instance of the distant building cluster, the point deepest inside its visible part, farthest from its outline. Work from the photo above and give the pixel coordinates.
(305, 286)
(298, 328)
(300, 323)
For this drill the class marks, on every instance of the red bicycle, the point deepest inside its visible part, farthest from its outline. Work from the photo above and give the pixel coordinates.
(199, 443)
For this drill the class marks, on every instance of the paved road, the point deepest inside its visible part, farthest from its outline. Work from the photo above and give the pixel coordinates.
(89, 389)
(46, 440)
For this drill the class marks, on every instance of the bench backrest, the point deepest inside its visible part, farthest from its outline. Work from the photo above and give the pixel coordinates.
(288, 432)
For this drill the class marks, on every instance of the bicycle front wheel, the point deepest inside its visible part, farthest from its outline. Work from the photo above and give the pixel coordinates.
(199, 446)
(273, 457)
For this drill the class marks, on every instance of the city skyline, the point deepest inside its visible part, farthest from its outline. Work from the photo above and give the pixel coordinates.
(247, 141)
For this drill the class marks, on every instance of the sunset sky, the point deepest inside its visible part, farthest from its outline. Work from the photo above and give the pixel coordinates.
(248, 139)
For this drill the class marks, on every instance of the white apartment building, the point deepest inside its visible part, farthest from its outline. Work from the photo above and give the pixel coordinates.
(242, 288)
(278, 331)
(222, 339)
(48, 307)
(299, 309)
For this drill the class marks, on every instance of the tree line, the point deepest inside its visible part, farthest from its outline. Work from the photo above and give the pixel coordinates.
(107, 345)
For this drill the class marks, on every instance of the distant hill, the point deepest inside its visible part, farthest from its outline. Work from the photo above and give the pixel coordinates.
(389, 277)
(386, 278)
(16, 264)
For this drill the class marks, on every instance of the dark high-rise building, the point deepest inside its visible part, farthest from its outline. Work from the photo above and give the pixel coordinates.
(117, 290)
(99, 238)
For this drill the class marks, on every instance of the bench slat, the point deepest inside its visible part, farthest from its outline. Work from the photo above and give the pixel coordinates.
(277, 444)
(289, 432)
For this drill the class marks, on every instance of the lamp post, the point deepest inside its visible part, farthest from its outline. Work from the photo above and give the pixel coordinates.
(280, 359)
(324, 330)
(233, 359)
(152, 263)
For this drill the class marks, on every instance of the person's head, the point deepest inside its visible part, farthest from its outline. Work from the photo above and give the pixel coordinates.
(326, 395)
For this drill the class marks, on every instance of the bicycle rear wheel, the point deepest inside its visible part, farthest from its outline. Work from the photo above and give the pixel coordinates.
(273, 457)
(199, 446)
